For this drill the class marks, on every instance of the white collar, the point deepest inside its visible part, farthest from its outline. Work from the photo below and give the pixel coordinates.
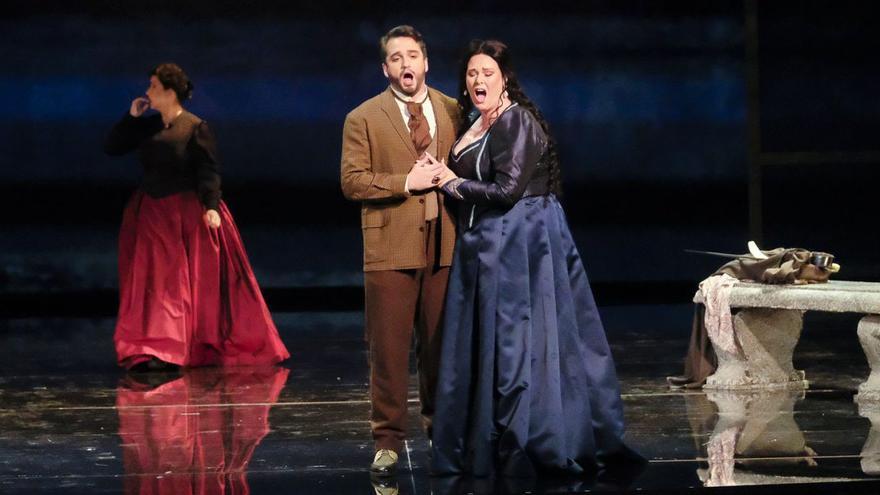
(405, 98)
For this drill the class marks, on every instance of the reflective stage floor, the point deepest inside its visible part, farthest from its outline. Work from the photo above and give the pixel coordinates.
(70, 422)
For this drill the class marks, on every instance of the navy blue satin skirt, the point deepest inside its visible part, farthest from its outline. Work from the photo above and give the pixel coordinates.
(527, 382)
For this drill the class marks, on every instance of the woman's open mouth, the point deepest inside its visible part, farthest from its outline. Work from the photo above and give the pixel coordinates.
(479, 95)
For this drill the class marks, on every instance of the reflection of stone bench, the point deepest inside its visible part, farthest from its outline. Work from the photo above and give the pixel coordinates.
(754, 438)
(871, 451)
(755, 429)
(768, 325)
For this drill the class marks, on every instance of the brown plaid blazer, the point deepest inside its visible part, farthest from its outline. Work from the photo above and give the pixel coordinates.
(377, 154)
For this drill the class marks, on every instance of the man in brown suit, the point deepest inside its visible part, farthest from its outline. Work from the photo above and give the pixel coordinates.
(408, 232)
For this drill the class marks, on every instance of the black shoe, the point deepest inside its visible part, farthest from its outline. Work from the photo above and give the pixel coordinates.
(384, 463)
(154, 365)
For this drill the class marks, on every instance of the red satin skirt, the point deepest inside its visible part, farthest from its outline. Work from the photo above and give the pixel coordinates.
(187, 293)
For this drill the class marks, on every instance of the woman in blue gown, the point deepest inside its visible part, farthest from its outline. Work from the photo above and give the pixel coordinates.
(527, 382)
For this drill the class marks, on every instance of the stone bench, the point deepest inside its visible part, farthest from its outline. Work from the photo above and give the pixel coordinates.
(768, 326)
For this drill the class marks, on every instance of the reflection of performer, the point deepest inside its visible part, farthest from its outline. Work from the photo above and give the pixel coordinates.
(188, 296)
(197, 433)
(408, 233)
(527, 381)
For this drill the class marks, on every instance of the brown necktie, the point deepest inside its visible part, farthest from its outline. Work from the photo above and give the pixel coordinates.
(418, 127)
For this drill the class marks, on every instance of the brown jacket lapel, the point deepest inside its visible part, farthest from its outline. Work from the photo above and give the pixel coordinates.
(389, 106)
(444, 124)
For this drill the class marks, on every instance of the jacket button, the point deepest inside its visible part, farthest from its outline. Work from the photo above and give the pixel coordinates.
(422, 201)
(421, 229)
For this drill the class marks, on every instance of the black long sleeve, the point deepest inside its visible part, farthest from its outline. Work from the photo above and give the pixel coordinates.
(516, 144)
(130, 132)
(203, 153)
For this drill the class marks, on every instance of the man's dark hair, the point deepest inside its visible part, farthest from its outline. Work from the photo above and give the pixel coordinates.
(404, 31)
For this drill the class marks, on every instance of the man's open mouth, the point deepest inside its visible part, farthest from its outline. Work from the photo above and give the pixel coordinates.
(407, 77)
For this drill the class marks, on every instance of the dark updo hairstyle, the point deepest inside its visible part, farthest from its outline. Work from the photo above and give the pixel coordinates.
(500, 53)
(173, 77)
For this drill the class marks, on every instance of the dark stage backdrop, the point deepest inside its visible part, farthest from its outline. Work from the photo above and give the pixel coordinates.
(647, 101)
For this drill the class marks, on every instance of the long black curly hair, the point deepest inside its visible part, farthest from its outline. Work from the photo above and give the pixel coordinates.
(500, 53)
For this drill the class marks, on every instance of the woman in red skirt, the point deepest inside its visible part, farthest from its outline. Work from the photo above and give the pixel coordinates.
(188, 296)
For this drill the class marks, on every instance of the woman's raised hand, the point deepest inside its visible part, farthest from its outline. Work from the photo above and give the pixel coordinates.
(139, 105)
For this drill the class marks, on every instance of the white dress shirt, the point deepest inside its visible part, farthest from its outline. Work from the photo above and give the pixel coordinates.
(427, 111)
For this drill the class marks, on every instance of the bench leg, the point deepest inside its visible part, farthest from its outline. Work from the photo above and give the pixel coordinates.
(767, 338)
(869, 336)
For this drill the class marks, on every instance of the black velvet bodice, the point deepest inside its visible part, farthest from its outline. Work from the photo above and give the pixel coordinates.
(177, 158)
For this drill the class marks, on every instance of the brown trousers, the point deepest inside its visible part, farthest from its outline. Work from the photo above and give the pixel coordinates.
(397, 301)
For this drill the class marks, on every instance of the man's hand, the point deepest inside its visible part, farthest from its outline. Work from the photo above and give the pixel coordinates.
(445, 174)
(422, 176)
